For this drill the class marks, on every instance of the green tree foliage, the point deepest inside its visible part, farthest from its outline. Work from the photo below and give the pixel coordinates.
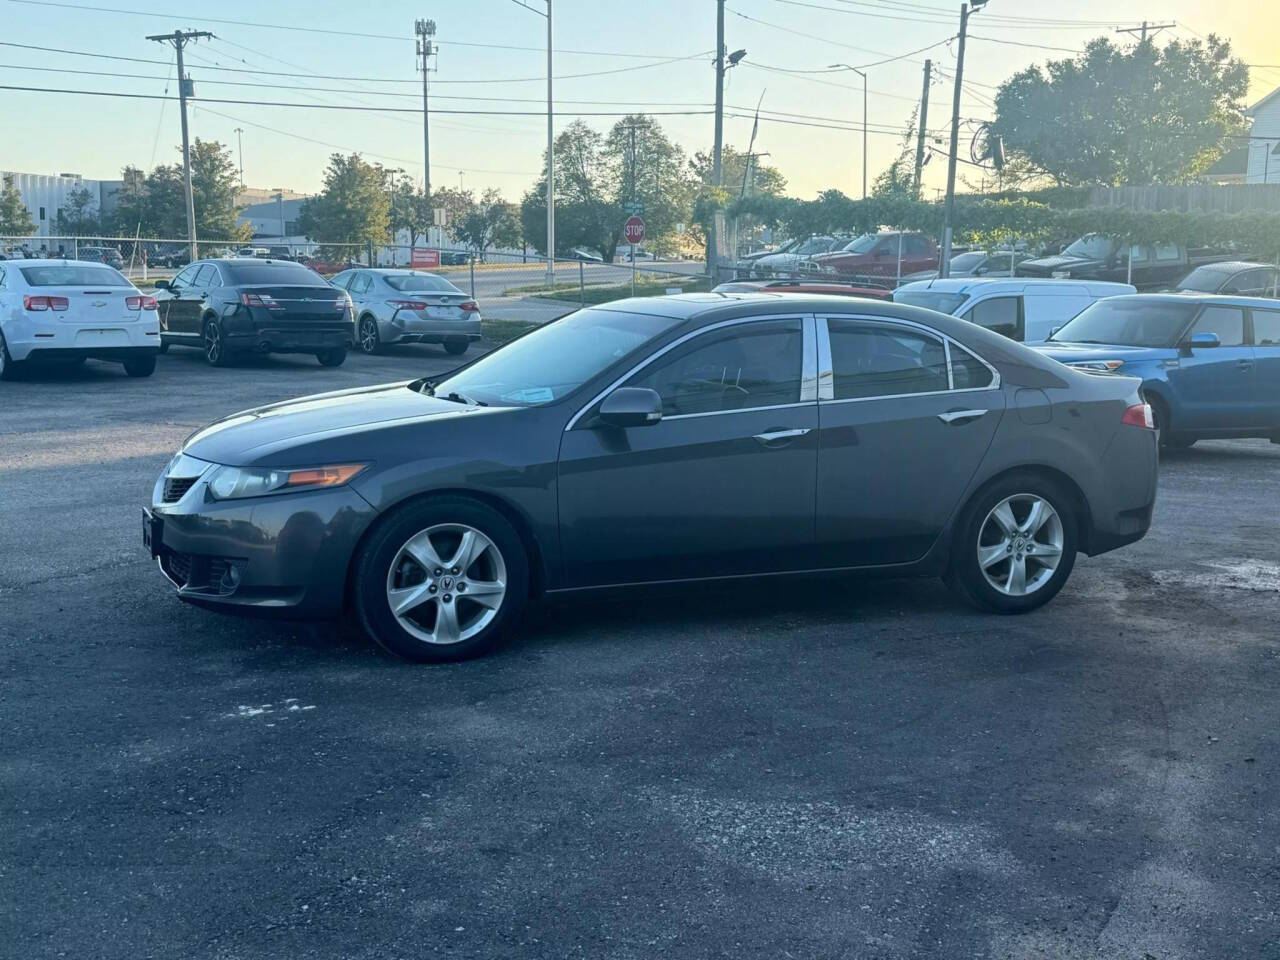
(410, 210)
(899, 178)
(352, 208)
(215, 184)
(154, 204)
(1137, 116)
(493, 222)
(454, 206)
(765, 179)
(79, 216)
(15, 221)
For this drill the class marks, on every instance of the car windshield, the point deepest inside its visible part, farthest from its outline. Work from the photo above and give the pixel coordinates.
(862, 244)
(931, 299)
(814, 245)
(555, 359)
(1202, 280)
(73, 276)
(293, 274)
(420, 281)
(967, 261)
(1128, 323)
(1093, 246)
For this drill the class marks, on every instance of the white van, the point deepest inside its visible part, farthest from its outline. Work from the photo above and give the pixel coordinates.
(1021, 308)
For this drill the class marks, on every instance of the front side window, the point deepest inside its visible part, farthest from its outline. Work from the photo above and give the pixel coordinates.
(1251, 283)
(1093, 246)
(883, 360)
(741, 367)
(918, 246)
(1206, 279)
(999, 314)
(1226, 322)
(185, 278)
(1266, 328)
(342, 279)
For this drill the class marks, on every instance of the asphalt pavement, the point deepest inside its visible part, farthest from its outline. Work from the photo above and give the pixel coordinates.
(810, 769)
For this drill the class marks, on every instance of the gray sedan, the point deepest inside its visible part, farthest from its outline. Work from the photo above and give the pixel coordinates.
(409, 306)
(682, 439)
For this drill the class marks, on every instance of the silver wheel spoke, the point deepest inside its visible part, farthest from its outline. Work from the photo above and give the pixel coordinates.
(424, 552)
(469, 549)
(447, 628)
(1045, 551)
(406, 598)
(1039, 537)
(409, 594)
(1036, 518)
(1017, 584)
(487, 593)
(1003, 515)
(993, 554)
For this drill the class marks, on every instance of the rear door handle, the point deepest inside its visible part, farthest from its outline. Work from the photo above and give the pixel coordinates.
(772, 438)
(960, 416)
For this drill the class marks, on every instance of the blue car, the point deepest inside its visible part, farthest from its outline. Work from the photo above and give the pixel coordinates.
(1210, 365)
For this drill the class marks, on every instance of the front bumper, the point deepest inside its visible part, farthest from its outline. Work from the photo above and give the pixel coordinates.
(409, 327)
(284, 555)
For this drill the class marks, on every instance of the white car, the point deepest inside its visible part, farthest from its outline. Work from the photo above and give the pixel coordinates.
(69, 310)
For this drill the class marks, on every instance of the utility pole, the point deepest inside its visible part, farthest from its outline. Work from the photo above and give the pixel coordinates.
(239, 132)
(713, 246)
(551, 168)
(863, 75)
(1152, 28)
(924, 123)
(425, 30)
(948, 217)
(179, 39)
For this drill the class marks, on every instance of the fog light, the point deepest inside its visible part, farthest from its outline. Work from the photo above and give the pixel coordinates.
(230, 579)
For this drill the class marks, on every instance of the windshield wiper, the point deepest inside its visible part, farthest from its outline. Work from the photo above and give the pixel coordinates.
(460, 398)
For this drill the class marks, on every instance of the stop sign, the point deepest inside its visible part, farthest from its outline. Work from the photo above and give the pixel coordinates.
(633, 230)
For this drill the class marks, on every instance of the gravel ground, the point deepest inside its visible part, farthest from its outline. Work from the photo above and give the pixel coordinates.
(810, 770)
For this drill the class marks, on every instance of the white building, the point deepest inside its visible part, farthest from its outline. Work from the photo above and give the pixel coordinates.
(1264, 142)
(46, 194)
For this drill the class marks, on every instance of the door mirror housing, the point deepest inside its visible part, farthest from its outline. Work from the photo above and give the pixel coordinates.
(1204, 341)
(630, 407)
(162, 284)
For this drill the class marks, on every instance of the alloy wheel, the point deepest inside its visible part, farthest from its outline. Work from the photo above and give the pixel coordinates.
(1020, 544)
(446, 583)
(368, 335)
(212, 342)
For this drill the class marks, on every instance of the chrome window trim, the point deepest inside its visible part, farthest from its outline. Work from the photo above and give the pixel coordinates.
(826, 376)
(721, 413)
(806, 330)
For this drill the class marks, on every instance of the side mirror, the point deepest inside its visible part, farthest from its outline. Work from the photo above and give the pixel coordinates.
(631, 407)
(162, 284)
(981, 270)
(1204, 341)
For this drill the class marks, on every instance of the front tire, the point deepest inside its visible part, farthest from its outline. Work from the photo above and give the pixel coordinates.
(1015, 544)
(441, 579)
(369, 340)
(1168, 438)
(140, 366)
(332, 358)
(215, 346)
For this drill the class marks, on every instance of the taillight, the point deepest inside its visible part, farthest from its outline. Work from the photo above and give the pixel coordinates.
(44, 303)
(140, 303)
(469, 305)
(408, 304)
(260, 300)
(1139, 415)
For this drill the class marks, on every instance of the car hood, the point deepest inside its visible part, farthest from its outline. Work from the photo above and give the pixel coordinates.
(780, 260)
(1049, 264)
(1069, 352)
(245, 438)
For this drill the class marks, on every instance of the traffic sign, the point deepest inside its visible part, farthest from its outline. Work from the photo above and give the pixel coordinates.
(425, 257)
(634, 207)
(633, 230)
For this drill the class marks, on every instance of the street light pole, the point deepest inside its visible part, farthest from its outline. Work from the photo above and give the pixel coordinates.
(863, 75)
(240, 143)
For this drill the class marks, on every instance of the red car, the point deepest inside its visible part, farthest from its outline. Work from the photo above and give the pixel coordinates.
(876, 255)
(804, 286)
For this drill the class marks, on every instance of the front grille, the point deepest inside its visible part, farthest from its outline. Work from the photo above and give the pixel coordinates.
(178, 566)
(175, 488)
(214, 575)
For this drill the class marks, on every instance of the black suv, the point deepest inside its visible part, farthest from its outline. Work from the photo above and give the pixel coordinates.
(246, 305)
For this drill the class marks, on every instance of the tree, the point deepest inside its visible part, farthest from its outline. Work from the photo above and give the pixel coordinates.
(15, 220)
(215, 184)
(353, 206)
(765, 179)
(410, 210)
(79, 216)
(899, 179)
(491, 222)
(1112, 116)
(455, 205)
(155, 204)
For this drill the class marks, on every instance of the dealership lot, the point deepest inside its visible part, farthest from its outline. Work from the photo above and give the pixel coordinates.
(805, 768)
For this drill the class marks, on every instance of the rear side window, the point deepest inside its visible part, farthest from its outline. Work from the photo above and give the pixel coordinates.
(739, 368)
(1226, 322)
(1251, 283)
(1266, 328)
(1000, 314)
(361, 283)
(293, 274)
(967, 371)
(881, 360)
(73, 275)
(205, 277)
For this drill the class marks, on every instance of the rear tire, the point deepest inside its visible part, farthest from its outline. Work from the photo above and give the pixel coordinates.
(164, 346)
(8, 365)
(140, 366)
(332, 358)
(456, 347)
(988, 550)
(215, 346)
(498, 571)
(368, 339)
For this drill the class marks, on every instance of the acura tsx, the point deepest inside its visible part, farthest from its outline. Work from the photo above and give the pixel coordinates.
(686, 438)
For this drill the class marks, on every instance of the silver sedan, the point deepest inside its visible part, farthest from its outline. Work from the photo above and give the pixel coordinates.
(409, 306)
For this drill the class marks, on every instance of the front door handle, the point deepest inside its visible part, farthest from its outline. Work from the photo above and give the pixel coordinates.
(773, 437)
(960, 416)
(1244, 364)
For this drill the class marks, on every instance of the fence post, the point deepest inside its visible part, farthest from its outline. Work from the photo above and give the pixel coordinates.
(369, 251)
(472, 262)
(582, 287)
(75, 248)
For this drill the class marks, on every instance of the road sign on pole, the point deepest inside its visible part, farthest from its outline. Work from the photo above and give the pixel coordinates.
(633, 230)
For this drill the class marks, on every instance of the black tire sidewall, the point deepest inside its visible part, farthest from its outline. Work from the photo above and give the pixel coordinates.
(456, 348)
(9, 367)
(965, 573)
(379, 549)
(332, 358)
(140, 366)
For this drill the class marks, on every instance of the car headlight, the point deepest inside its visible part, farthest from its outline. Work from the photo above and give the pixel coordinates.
(1105, 366)
(232, 483)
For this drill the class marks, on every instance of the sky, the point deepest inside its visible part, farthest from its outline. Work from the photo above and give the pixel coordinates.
(611, 57)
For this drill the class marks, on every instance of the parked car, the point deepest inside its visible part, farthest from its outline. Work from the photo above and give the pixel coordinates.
(64, 310)
(974, 263)
(409, 306)
(798, 259)
(745, 260)
(804, 286)
(1021, 309)
(1210, 366)
(107, 255)
(280, 253)
(880, 255)
(253, 252)
(684, 438)
(1098, 257)
(1233, 278)
(454, 258)
(172, 256)
(235, 305)
(582, 253)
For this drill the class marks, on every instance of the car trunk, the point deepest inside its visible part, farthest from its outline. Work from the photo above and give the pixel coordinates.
(311, 306)
(92, 305)
(440, 305)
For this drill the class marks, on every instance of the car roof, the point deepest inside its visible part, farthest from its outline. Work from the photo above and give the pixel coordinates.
(973, 284)
(1212, 299)
(705, 308)
(1232, 266)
